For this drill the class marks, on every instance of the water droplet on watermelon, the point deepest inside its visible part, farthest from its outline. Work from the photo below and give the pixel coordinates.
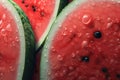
(117, 39)
(84, 44)
(12, 44)
(64, 34)
(53, 49)
(8, 27)
(46, 61)
(11, 68)
(49, 73)
(46, 46)
(109, 25)
(17, 39)
(86, 19)
(79, 34)
(59, 57)
(65, 28)
(56, 74)
(77, 51)
(88, 35)
(59, 26)
(64, 72)
(71, 30)
(73, 55)
(71, 68)
(109, 19)
(74, 26)
(4, 16)
(45, 55)
(66, 14)
(3, 32)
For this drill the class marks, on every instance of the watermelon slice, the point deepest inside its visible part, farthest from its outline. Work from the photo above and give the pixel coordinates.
(41, 14)
(84, 43)
(17, 43)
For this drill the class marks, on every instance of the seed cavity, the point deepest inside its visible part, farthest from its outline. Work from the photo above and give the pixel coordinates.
(97, 34)
(85, 59)
(104, 70)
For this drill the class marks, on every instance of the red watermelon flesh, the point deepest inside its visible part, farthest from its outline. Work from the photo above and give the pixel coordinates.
(87, 45)
(10, 46)
(39, 13)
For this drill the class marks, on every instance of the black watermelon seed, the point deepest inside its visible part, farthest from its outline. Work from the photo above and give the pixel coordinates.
(34, 8)
(85, 58)
(104, 69)
(118, 76)
(26, 5)
(23, 1)
(97, 34)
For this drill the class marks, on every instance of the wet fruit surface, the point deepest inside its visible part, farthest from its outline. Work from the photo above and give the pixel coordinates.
(10, 45)
(87, 44)
(39, 13)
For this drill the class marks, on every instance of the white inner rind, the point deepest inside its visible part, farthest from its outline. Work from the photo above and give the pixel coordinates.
(44, 65)
(53, 17)
(6, 4)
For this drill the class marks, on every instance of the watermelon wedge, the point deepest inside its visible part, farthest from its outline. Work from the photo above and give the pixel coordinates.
(41, 14)
(17, 43)
(84, 43)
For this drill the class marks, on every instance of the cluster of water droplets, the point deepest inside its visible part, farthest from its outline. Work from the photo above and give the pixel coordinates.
(4, 28)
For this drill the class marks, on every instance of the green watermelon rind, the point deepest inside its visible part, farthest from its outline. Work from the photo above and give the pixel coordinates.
(27, 41)
(59, 5)
(63, 3)
(44, 65)
(30, 44)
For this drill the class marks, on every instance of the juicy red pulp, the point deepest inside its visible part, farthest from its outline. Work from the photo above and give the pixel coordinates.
(87, 45)
(39, 13)
(9, 46)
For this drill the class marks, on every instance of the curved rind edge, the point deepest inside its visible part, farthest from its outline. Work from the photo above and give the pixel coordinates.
(59, 5)
(44, 64)
(29, 44)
